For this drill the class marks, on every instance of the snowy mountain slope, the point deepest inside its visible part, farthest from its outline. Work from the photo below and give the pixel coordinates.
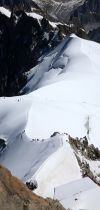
(73, 188)
(81, 194)
(61, 164)
(63, 98)
(64, 62)
(13, 117)
(89, 199)
(34, 159)
(72, 99)
(29, 158)
(28, 155)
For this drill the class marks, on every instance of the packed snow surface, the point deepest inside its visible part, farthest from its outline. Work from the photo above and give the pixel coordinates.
(82, 194)
(70, 101)
(35, 15)
(62, 95)
(60, 168)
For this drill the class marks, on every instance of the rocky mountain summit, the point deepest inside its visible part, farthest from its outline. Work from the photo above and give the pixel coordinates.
(14, 195)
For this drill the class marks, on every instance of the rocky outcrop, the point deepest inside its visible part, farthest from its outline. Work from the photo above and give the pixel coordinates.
(64, 10)
(14, 195)
(18, 4)
(88, 151)
(86, 154)
(23, 40)
(2, 145)
(94, 35)
(80, 13)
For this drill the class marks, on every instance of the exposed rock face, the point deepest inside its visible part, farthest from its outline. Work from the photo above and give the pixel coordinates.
(81, 13)
(88, 16)
(85, 155)
(61, 10)
(14, 195)
(2, 145)
(23, 4)
(23, 40)
(88, 151)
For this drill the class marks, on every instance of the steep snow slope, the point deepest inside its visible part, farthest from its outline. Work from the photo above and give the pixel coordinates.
(24, 156)
(71, 103)
(67, 101)
(13, 117)
(59, 168)
(81, 194)
(65, 62)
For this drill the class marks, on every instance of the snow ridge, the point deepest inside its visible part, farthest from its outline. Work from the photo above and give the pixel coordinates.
(62, 95)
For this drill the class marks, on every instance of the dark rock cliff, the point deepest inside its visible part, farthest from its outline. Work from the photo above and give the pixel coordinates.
(23, 40)
(82, 13)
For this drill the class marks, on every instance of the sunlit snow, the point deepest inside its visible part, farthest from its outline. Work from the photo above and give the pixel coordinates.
(62, 94)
